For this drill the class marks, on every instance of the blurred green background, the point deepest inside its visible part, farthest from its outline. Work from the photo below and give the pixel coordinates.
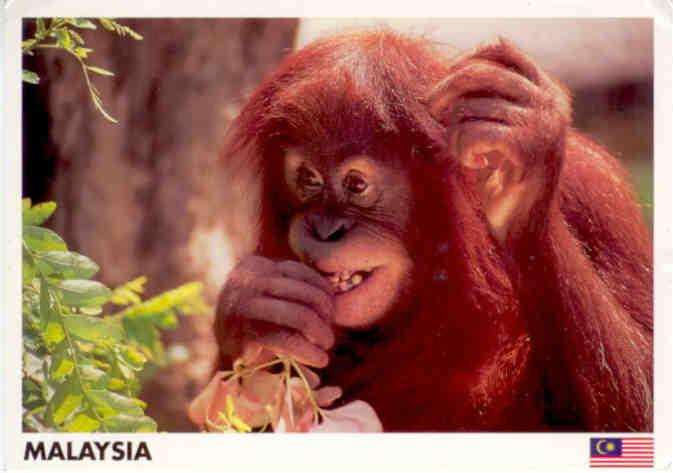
(620, 117)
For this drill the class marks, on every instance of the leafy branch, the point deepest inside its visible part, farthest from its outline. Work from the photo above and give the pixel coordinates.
(64, 34)
(82, 370)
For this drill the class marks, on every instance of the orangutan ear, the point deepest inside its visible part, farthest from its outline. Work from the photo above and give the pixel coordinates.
(507, 191)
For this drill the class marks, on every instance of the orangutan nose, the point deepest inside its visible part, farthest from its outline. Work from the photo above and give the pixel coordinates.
(328, 228)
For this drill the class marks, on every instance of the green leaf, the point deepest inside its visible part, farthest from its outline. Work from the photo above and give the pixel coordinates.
(82, 23)
(27, 267)
(82, 52)
(182, 296)
(53, 333)
(61, 364)
(32, 424)
(167, 321)
(82, 423)
(25, 205)
(125, 371)
(31, 341)
(86, 347)
(141, 403)
(129, 292)
(42, 239)
(30, 77)
(124, 296)
(132, 358)
(116, 384)
(92, 329)
(41, 28)
(63, 38)
(82, 292)
(122, 30)
(31, 393)
(37, 214)
(109, 404)
(92, 375)
(143, 333)
(133, 34)
(105, 366)
(137, 285)
(95, 310)
(76, 36)
(100, 70)
(28, 43)
(64, 368)
(45, 303)
(32, 364)
(127, 423)
(107, 24)
(66, 399)
(67, 263)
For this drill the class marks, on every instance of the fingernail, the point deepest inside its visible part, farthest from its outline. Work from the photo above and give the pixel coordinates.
(330, 341)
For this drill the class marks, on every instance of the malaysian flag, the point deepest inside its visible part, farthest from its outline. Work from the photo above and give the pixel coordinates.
(622, 452)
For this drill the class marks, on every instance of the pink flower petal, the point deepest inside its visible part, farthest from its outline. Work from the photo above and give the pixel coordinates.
(327, 395)
(357, 416)
(199, 407)
(251, 396)
(259, 398)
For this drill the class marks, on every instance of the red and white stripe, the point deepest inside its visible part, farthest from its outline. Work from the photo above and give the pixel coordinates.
(636, 452)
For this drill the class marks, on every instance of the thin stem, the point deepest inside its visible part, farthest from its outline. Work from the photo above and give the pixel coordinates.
(309, 392)
(249, 371)
(46, 46)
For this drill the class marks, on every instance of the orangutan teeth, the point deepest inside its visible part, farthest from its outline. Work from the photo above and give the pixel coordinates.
(346, 280)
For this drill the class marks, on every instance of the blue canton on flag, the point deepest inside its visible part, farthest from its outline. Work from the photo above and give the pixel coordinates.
(622, 452)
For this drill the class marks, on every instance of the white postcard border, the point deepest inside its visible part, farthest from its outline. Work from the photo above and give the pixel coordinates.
(332, 452)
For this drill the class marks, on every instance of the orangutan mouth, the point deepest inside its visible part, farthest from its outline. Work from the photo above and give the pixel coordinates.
(345, 281)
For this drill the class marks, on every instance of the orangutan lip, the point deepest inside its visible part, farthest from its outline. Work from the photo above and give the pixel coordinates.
(345, 281)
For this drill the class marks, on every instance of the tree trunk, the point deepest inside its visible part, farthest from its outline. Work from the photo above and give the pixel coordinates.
(148, 195)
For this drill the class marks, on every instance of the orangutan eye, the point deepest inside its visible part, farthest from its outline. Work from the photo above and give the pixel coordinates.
(355, 183)
(308, 180)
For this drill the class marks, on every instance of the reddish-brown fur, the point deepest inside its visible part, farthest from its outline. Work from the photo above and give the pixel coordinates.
(552, 330)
